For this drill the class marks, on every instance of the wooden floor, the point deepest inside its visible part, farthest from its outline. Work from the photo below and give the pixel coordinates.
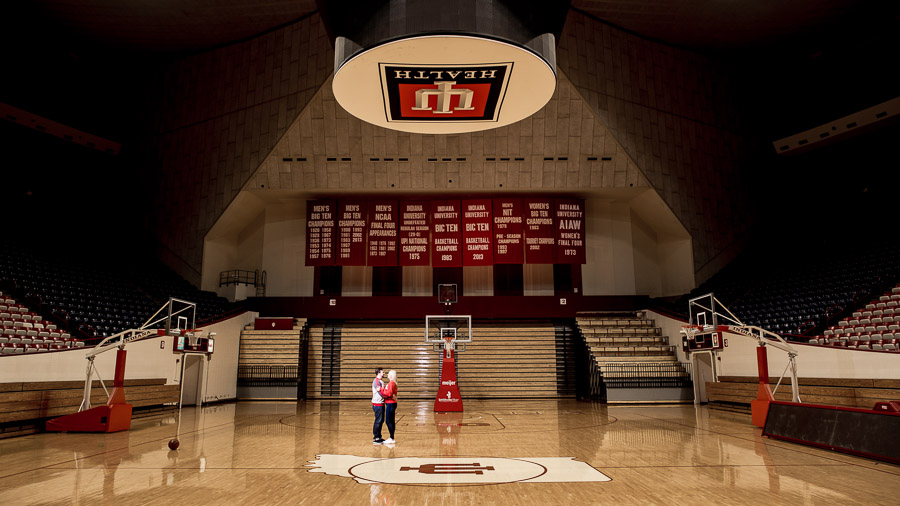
(496, 452)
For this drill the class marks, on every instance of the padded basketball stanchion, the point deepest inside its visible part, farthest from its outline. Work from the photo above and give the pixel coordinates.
(448, 397)
(759, 407)
(115, 416)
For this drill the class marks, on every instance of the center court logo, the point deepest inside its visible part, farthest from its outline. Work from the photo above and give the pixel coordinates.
(426, 93)
(444, 471)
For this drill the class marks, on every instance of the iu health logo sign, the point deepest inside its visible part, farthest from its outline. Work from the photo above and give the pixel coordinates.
(425, 93)
(445, 84)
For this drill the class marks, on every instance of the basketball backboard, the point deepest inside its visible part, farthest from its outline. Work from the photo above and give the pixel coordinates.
(447, 293)
(440, 327)
(702, 311)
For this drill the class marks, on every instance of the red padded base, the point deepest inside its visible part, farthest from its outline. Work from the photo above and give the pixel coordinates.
(113, 418)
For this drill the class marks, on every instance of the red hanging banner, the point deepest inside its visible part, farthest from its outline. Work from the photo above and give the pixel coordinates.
(569, 214)
(445, 234)
(351, 232)
(382, 233)
(508, 237)
(477, 245)
(320, 232)
(414, 233)
(540, 236)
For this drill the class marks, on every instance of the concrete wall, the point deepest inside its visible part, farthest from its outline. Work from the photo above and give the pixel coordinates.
(146, 359)
(214, 117)
(626, 253)
(627, 114)
(677, 115)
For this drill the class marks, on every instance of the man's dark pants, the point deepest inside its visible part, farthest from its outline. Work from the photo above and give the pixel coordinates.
(379, 421)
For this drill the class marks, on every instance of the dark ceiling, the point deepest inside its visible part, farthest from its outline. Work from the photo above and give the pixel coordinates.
(711, 26)
(78, 61)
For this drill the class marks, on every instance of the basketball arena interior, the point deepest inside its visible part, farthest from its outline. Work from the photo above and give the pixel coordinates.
(602, 252)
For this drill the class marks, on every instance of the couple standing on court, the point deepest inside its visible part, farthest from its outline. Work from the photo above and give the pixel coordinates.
(384, 404)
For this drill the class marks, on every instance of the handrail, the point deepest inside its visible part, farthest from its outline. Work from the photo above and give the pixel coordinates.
(88, 336)
(61, 316)
(239, 276)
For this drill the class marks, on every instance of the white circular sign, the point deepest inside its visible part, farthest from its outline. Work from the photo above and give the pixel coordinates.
(444, 84)
(447, 470)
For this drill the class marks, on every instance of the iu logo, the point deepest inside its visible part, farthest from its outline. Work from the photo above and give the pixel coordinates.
(444, 93)
(450, 468)
(415, 93)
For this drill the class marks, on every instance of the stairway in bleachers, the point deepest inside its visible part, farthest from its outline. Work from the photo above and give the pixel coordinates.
(269, 362)
(503, 361)
(632, 353)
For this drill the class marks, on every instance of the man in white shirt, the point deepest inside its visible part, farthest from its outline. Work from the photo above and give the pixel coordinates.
(377, 406)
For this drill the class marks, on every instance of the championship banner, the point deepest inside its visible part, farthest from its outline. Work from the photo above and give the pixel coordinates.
(445, 234)
(508, 236)
(569, 214)
(320, 232)
(351, 232)
(477, 245)
(540, 236)
(414, 233)
(382, 233)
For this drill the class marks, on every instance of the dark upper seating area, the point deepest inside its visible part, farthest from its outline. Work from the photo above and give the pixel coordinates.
(802, 289)
(97, 297)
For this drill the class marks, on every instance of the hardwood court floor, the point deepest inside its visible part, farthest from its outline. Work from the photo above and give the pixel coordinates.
(497, 452)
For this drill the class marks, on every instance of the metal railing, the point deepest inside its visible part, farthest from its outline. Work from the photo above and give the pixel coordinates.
(646, 375)
(240, 277)
(267, 375)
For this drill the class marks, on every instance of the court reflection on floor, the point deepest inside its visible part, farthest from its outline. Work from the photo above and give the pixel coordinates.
(321, 451)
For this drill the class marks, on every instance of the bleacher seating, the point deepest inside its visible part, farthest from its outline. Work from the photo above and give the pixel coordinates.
(630, 350)
(93, 297)
(873, 326)
(506, 360)
(794, 291)
(23, 331)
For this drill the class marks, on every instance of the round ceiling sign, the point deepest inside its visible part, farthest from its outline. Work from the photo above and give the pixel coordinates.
(444, 84)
